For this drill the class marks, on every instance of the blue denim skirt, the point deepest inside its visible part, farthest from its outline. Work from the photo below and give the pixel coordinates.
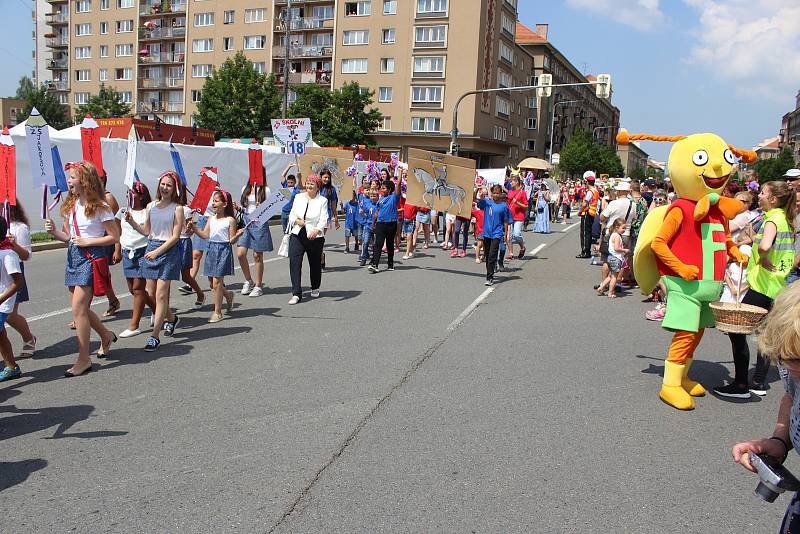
(22, 293)
(78, 271)
(132, 262)
(185, 249)
(198, 243)
(256, 238)
(219, 260)
(165, 267)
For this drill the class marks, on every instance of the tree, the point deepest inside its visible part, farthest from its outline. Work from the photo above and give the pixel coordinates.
(25, 87)
(238, 101)
(55, 113)
(773, 168)
(341, 117)
(106, 104)
(637, 174)
(577, 156)
(608, 161)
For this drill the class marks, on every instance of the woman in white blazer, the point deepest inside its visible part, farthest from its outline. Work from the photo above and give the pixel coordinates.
(309, 216)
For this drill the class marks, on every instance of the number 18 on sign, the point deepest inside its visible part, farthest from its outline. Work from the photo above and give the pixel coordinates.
(293, 135)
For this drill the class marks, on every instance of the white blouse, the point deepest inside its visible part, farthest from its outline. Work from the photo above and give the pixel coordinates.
(313, 211)
(89, 228)
(130, 239)
(162, 221)
(219, 230)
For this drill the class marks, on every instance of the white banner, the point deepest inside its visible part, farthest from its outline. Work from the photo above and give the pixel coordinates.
(294, 135)
(130, 167)
(271, 206)
(41, 158)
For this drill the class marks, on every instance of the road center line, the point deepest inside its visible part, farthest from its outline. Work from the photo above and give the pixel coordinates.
(537, 249)
(469, 309)
(570, 227)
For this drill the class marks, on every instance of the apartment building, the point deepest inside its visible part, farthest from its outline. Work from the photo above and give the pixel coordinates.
(790, 130)
(40, 16)
(632, 157)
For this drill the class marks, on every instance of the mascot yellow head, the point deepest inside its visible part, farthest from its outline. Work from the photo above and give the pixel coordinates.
(699, 164)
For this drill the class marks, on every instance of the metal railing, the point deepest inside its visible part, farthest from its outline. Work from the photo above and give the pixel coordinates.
(156, 7)
(303, 51)
(57, 64)
(160, 83)
(295, 78)
(307, 23)
(163, 57)
(159, 107)
(55, 42)
(58, 85)
(177, 32)
(57, 17)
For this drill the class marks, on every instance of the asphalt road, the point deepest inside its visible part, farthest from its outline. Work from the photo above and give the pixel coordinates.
(409, 401)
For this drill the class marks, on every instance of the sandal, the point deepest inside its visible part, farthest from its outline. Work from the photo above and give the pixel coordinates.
(28, 348)
(112, 309)
(612, 296)
(71, 325)
(105, 353)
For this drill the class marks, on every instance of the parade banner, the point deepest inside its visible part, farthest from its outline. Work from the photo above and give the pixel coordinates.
(337, 161)
(254, 159)
(178, 164)
(130, 163)
(38, 137)
(440, 182)
(90, 143)
(208, 184)
(293, 135)
(8, 169)
(270, 207)
(60, 177)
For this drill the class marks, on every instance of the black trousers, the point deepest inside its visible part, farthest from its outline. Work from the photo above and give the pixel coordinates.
(384, 234)
(300, 245)
(741, 352)
(587, 221)
(491, 248)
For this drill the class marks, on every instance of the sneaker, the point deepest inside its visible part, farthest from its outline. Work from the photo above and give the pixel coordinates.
(489, 282)
(655, 315)
(521, 253)
(454, 253)
(373, 269)
(129, 333)
(185, 289)
(462, 254)
(10, 373)
(362, 263)
(294, 300)
(500, 267)
(314, 293)
(257, 292)
(509, 256)
(347, 250)
(734, 390)
(408, 256)
(758, 388)
(247, 287)
(390, 268)
(152, 344)
(169, 327)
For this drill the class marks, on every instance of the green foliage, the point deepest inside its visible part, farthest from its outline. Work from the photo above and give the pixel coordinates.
(772, 169)
(655, 173)
(237, 101)
(25, 87)
(41, 237)
(55, 113)
(106, 104)
(637, 174)
(581, 154)
(341, 117)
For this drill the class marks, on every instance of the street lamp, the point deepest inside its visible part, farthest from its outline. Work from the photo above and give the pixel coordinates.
(286, 59)
(599, 128)
(553, 120)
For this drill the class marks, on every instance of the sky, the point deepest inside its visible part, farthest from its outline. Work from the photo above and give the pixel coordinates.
(730, 67)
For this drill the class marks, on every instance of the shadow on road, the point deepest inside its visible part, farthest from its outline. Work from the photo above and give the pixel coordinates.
(13, 473)
(20, 421)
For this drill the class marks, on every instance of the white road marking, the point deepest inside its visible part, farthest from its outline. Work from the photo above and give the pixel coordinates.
(570, 227)
(469, 309)
(537, 249)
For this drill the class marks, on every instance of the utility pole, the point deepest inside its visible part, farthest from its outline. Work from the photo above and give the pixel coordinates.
(553, 121)
(287, 48)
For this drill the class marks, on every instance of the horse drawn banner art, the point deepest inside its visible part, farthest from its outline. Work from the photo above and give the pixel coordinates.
(440, 182)
(315, 160)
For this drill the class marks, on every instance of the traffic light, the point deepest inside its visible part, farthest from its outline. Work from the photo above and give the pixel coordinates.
(603, 87)
(454, 148)
(544, 89)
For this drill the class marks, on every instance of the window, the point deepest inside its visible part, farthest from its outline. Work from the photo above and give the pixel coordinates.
(228, 17)
(83, 75)
(202, 45)
(532, 124)
(122, 4)
(387, 65)
(196, 95)
(83, 52)
(104, 4)
(124, 26)
(426, 124)
(430, 35)
(254, 42)
(125, 73)
(103, 50)
(500, 133)
(431, 7)
(103, 75)
(227, 43)
(255, 15)
(385, 125)
(533, 80)
(429, 66)
(354, 66)
(509, 26)
(323, 12)
(426, 95)
(355, 37)
(126, 97)
(81, 98)
(530, 144)
(104, 28)
(385, 94)
(503, 107)
(322, 39)
(533, 102)
(83, 6)
(63, 98)
(201, 71)
(259, 66)
(358, 9)
(504, 79)
(123, 50)
(390, 7)
(506, 53)
(204, 19)
(83, 29)
(389, 36)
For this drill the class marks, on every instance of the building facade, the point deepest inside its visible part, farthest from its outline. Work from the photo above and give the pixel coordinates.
(790, 130)
(9, 109)
(632, 157)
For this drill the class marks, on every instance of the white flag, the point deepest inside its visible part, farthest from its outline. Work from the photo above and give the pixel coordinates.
(130, 168)
(39, 151)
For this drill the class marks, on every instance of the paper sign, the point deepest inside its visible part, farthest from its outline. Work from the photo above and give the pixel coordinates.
(178, 164)
(205, 189)
(271, 206)
(130, 166)
(440, 182)
(294, 135)
(316, 160)
(8, 169)
(255, 164)
(90, 143)
(38, 137)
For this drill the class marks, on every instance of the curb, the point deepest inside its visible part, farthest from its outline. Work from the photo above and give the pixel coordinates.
(48, 245)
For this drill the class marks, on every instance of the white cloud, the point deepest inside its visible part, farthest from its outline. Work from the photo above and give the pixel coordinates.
(642, 15)
(753, 44)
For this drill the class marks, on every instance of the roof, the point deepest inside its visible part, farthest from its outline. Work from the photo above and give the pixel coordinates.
(526, 35)
(591, 78)
(772, 143)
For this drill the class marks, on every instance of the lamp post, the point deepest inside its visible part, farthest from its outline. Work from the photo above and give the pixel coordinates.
(286, 59)
(553, 120)
(599, 128)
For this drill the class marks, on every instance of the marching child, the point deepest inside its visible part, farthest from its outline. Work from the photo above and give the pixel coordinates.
(134, 246)
(497, 220)
(186, 250)
(367, 207)
(221, 233)
(734, 273)
(616, 259)
(477, 220)
(10, 282)
(255, 237)
(20, 238)
(350, 223)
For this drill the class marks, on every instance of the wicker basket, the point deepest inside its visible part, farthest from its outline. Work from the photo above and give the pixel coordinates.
(737, 318)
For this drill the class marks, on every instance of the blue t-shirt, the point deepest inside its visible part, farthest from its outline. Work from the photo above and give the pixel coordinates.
(333, 199)
(495, 214)
(350, 211)
(287, 208)
(368, 209)
(387, 208)
(360, 211)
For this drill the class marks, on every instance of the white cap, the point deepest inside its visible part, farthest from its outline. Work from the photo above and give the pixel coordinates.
(623, 186)
(792, 173)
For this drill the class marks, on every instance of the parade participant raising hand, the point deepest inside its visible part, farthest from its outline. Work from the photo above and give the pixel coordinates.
(221, 233)
(385, 222)
(496, 222)
(89, 228)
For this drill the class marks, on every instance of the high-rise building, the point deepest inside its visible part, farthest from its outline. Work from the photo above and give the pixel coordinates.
(40, 14)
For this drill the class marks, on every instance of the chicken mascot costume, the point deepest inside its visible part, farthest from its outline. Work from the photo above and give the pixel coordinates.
(687, 245)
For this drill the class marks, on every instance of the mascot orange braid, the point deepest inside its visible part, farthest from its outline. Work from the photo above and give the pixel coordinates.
(687, 245)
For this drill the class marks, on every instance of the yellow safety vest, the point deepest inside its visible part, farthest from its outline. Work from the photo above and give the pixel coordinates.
(781, 255)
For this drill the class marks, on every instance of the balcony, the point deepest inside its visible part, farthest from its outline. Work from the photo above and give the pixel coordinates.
(296, 78)
(154, 8)
(57, 1)
(159, 34)
(159, 107)
(57, 42)
(161, 83)
(163, 57)
(307, 23)
(57, 17)
(303, 51)
(57, 64)
(58, 85)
